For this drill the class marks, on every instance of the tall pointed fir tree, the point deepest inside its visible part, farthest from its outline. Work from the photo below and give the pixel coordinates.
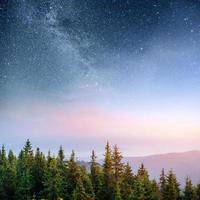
(29, 159)
(73, 175)
(155, 192)
(3, 166)
(162, 184)
(61, 157)
(87, 184)
(62, 166)
(24, 173)
(52, 181)
(38, 172)
(9, 180)
(117, 165)
(79, 192)
(127, 182)
(189, 191)
(143, 178)
(95, 176)
(138, 192)
(7, 175)
(107, 187)
(172, 187)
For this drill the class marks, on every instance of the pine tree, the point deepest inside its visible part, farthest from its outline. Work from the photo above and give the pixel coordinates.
(127, 182)
(12, 160)
(95, 176)
(73, 175)
(63, 172)
(3, 166)
(87, 184)
(117, 165)
(162, 185)
(52, 181)
(107, 187)
(28, 163)
(28, 154)
(189, 192)
(7, 175)
(23, 179)
(143, 178)
(142, 172)
(10, 177)
(61, 157)
(49, 158)
(24, 173)
(38, 171)
(138, 189)
(155, 193)
(3, 158)
(172, 187)
(80, 191)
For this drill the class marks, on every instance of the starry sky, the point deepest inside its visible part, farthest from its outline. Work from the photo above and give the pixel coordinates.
(79, 73)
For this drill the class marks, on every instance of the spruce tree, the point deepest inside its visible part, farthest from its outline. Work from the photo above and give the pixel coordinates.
(142, 172)
(38, 172)
(143, 178)
(138, 189)
(127, 182)
(162, 184)
(52, 181)
(189, 192)
(87, 184)
(28, 154)
(172, 187)
(24, 173)
(117, 165)
(95, 176)
(155, 192)
(24, 184)
(62, 166)
(73, 175)
(49, 158)
(61, 157)
(9, 180)
(28, 161)
(107, 187)
(7, 175)
(80, 191)
(3, 167)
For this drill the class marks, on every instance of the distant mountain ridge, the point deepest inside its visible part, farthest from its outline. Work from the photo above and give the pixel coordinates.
(183, 164)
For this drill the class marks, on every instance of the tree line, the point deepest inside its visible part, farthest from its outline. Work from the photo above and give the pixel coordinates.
(32, 175)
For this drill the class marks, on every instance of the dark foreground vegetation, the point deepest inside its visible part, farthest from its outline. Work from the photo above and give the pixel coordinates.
(34, 176)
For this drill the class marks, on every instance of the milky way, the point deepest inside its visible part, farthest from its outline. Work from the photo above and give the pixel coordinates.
(116, 54)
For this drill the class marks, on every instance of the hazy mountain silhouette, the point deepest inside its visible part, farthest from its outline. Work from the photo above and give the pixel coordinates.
(183, 164)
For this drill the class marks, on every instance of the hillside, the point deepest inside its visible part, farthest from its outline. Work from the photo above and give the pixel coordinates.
(183, 164)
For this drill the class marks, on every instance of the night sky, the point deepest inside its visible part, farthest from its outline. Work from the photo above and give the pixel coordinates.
(79, 73)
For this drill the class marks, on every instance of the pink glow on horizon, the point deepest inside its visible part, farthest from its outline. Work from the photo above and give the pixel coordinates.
(95, 121)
